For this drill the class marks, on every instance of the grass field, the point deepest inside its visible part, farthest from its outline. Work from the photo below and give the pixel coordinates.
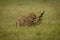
(49, 29)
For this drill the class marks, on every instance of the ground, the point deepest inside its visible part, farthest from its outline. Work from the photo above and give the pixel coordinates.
(49, 29)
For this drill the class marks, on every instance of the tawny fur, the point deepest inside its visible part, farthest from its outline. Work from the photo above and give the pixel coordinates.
(25, 20)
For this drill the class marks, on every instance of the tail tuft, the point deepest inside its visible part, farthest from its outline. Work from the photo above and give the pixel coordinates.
(42, 14)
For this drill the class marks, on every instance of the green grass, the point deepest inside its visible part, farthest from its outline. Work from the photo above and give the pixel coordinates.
(10, 10)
